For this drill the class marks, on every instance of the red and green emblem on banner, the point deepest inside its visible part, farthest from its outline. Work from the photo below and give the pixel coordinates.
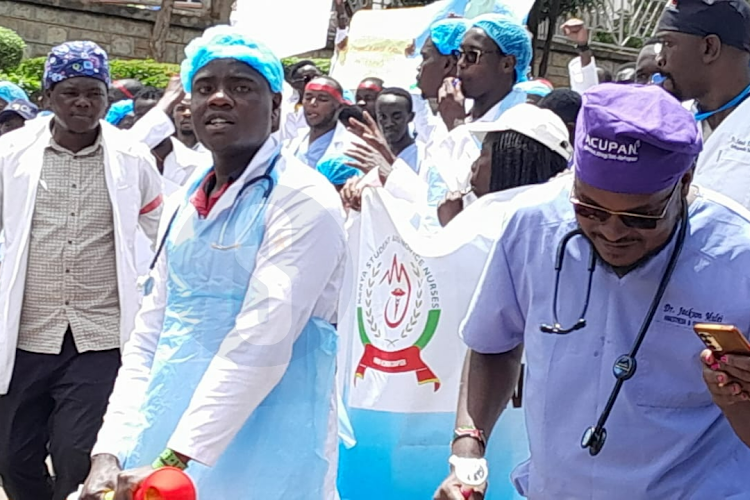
(402, 314)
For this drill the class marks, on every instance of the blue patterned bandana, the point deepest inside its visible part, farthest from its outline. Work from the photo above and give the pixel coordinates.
(74, 59)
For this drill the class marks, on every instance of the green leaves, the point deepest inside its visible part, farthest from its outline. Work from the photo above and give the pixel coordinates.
(11, 49)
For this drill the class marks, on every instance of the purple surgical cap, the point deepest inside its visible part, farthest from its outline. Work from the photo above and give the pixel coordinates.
(634, 139)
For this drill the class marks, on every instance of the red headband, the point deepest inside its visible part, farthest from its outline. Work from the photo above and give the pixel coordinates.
(328, 89)
(370, 86)
(119, 86)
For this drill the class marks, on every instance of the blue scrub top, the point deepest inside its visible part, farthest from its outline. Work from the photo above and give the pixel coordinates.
(311, 154)
(666, 438)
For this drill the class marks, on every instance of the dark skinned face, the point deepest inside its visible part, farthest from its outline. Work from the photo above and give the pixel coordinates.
(78, 104)
(645, 66)
(233, 107)
(3, 104)
(11, 123)
(622, 246)
(435, 68)
(183, 118)
(491, 70)
(681, 62)
(481, 169)
(366, 99)
(321, 108)
(393, 117)
(303, 76)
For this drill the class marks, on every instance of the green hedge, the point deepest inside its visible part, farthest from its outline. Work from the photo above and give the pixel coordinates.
(28, 74)
(11, 49)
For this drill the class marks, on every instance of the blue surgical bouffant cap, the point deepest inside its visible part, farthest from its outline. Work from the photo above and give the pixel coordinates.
(446, 35)
(119, 110)
(534, 87)
(225, 42)
(10, 92)
(511, 37)
(335, 169)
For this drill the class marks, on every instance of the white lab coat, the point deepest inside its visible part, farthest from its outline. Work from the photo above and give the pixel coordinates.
(301, 259)
(582, 78)
(179, 166)
(152, 128)
(135, 189)
(724, 164)
(342, 140)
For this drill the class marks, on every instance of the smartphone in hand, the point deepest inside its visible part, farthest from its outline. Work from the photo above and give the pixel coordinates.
(722, 339)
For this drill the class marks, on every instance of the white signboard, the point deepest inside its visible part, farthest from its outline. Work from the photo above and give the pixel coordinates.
(288, 27)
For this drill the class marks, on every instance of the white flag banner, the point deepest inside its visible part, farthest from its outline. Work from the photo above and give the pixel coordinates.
(402, 357)
(287, 27)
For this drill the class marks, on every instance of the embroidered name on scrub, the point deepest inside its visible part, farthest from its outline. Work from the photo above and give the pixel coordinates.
(612, 150)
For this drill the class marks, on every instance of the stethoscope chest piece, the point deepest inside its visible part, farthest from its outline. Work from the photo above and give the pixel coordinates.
(594, 439)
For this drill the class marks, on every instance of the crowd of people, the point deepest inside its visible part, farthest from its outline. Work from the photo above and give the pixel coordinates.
(174, 262)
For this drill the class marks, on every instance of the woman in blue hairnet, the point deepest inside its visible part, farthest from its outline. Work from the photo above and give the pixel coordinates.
(229, 373)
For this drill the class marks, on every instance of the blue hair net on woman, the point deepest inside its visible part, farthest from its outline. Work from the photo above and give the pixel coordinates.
(335, 169)
(119, 110)
(511, 37)
(9, 92)
(446, 35)
(226, 42)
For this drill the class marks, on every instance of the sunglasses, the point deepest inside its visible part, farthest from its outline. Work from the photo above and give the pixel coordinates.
(474, 55)
(631, 220)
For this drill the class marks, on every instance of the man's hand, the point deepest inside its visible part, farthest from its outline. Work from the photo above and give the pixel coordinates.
(102, 478)
(173, 95)
(575, 30)
(351, 194)
(128, 481)
(728, 378)
(450, 207)
(451, 103)
(452, 489)
(366, 158)
(411, 49)
(370, 132)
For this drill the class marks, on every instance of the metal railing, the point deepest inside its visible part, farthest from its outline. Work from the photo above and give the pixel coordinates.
(622, 20)
(190, 5)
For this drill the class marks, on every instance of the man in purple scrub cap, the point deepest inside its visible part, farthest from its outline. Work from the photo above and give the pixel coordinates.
(612, 267)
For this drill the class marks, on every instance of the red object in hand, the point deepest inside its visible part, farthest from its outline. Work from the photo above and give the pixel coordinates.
(168, 483)
(467, 492)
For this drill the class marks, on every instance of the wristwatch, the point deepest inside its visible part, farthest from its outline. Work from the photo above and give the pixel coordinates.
(471, 472)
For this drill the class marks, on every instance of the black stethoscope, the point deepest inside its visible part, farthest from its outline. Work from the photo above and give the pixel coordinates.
(625, 366)
(148, 285)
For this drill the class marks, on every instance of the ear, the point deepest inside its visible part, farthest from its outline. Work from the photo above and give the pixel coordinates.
(275, 107)
(711, 49)
(411, 117)
(509, 65)
(450, 67)
(687, 180)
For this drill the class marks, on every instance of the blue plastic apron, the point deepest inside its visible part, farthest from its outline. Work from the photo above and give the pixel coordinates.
(280, 452)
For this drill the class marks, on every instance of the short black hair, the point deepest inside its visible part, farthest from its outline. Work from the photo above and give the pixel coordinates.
(399, 92)
(519, 160)
(149, 94)
(132, 86)
(292, 70)
(565, 103)
(374, 79)
(351, 111)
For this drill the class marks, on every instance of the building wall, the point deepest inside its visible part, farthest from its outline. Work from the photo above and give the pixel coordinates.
(124, 32)
(121, 31)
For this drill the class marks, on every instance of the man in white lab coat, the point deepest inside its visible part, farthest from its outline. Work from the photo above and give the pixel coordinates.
(71, 196)
(322, 101)
(230, 370)
(705, 55)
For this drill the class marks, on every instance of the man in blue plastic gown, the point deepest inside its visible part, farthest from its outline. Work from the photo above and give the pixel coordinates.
(230, 370)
